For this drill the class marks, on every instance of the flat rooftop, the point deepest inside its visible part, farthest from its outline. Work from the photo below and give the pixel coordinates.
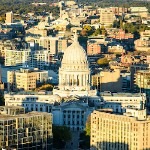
(42, 92)
(122, 94)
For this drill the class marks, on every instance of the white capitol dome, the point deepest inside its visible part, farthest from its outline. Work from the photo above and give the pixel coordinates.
(75, 57)
(74, 73)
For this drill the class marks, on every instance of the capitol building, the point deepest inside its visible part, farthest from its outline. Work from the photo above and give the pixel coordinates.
(74, 73)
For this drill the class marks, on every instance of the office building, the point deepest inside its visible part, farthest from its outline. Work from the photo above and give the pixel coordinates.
(119, 102)
(129, 131)
(32, 101)
(93, 48)
(26, 79)
(108, 80)
(26, 131)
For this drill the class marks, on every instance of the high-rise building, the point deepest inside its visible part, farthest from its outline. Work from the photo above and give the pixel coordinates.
(130, 131)
(9, 17)
(107, 17)
(26, 58)
(25, 131)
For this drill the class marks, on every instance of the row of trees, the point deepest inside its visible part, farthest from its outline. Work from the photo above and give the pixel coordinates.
(91, 31)
(117, 3)
(130, 27)
(24, 7)
(47, 87)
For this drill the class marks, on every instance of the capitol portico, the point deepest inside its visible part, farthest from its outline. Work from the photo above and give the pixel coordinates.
(74, 73)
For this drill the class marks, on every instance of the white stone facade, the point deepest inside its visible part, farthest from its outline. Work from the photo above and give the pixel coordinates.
(74, 73)
(32, 101)
(72, 115)
(119, 102)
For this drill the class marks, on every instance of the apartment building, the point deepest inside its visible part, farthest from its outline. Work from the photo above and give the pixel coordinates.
(93, 48)
(119, 34)
(26, 79)
(26, 131)
(133, 69)
(107, 17)
(120, 132)
(40, 59)
(14, 57)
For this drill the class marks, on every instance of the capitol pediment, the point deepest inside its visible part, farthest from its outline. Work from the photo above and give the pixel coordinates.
(75, 105)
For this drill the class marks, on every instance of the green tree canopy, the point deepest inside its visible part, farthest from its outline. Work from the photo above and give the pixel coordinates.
(88, 126)
(85, 136)
(103, 61)
(61, 135)
(47, 87)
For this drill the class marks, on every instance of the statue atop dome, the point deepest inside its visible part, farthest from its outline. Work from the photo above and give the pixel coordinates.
(75, 37)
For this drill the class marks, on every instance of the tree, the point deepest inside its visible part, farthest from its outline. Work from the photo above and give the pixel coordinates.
(2, 101)
(103, 61)
(97, 32)
(85, 136)
(88, 126)
(89, 30)
(116, 24)
(47, 87)
(61, 135)
(83, 32)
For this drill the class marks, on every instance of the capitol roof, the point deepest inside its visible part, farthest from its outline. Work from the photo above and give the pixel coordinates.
(75, 56)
